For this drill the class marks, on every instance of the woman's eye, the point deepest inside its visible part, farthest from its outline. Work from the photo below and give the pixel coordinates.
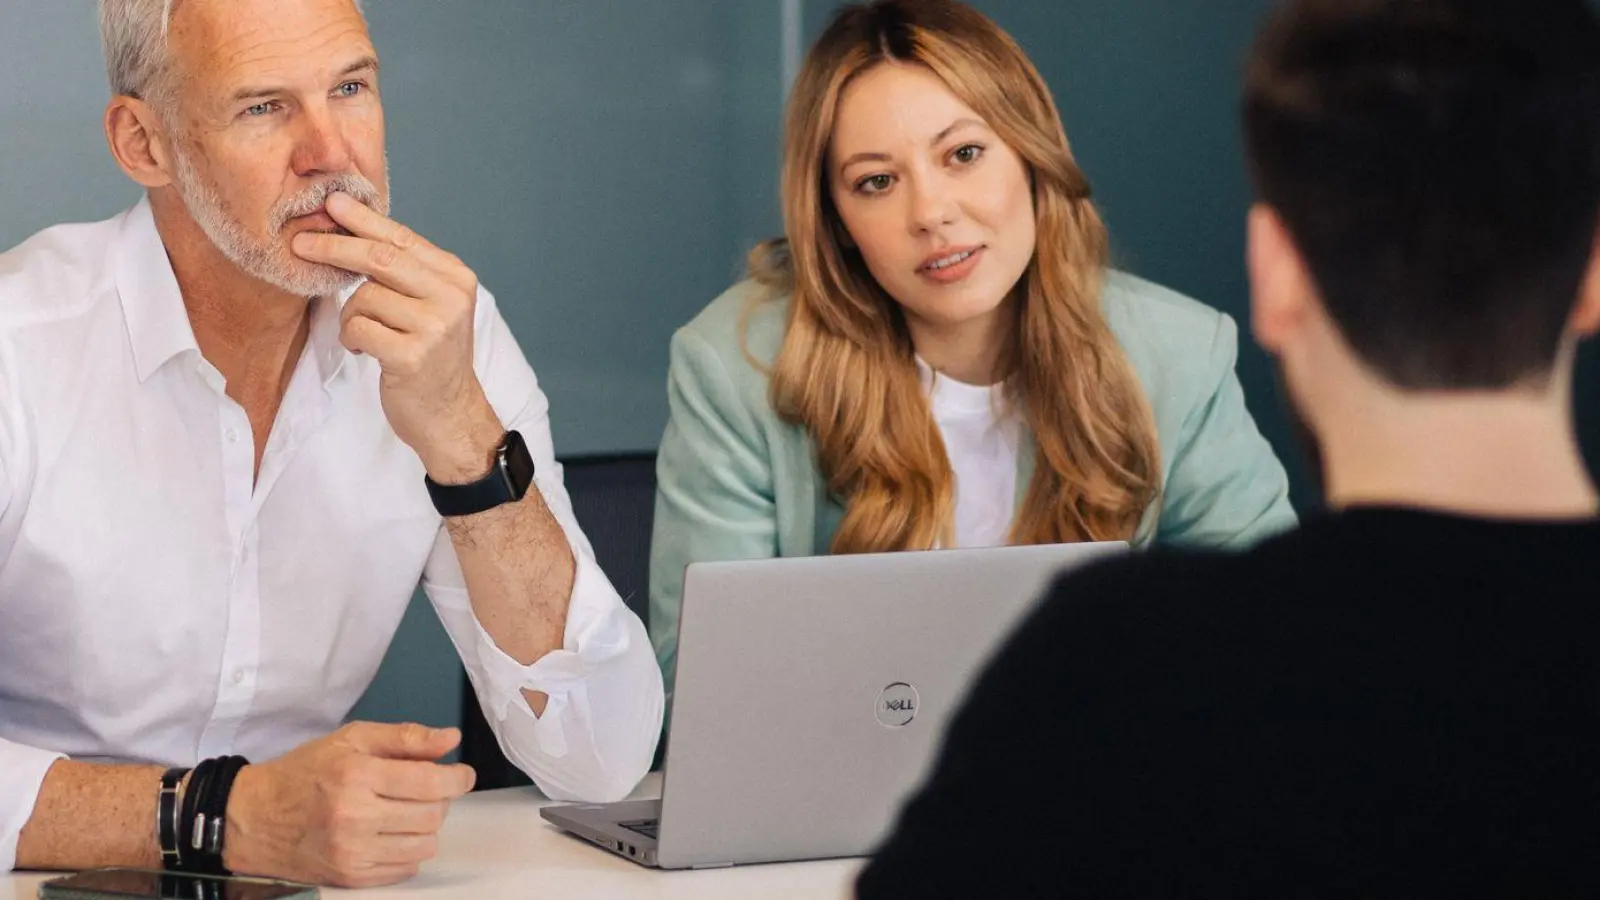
(874, 184)
(968, 154)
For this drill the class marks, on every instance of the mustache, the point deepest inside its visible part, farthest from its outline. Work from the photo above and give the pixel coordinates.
(312, 199)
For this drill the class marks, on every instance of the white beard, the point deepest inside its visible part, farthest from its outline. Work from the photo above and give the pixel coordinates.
(270, 260)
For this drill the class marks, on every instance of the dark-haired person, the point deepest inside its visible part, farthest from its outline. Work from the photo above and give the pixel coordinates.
(1401, 698)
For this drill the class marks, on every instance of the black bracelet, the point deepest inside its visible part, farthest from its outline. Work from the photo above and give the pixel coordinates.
(201, 831)
(214, 806)
(199, 780)
(167, 830)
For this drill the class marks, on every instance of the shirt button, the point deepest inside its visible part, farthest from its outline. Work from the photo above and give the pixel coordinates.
(233, 435)
(238, 676)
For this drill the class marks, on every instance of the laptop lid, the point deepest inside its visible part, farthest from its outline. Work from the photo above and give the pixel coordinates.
(811, 693)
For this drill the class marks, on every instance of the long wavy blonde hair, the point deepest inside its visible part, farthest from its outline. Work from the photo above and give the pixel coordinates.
(846, 370)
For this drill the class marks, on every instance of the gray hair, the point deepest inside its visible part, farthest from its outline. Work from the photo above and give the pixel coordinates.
(133, 37)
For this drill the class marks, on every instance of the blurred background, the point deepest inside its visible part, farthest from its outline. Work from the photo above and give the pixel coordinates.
(604, 165)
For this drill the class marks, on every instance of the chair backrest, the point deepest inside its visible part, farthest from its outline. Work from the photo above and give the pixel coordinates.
(613, 499)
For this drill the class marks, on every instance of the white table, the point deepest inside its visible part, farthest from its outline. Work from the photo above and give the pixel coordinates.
(495, 845)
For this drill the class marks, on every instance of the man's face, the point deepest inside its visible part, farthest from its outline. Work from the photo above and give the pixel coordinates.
(276, 106)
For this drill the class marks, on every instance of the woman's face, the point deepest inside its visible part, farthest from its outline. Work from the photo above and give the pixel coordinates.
(940, 209)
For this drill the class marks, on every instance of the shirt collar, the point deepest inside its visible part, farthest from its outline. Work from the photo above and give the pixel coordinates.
(323, 340)
(158, 323)
(152, 305)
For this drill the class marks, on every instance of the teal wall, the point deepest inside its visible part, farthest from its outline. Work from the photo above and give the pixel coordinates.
(604, 164)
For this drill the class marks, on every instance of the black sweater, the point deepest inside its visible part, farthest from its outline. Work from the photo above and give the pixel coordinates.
(1383, 703)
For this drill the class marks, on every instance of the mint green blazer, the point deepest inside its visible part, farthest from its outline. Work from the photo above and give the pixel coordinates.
(734, 481)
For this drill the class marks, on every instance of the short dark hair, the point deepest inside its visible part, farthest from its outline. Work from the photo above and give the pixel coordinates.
(1437, 163)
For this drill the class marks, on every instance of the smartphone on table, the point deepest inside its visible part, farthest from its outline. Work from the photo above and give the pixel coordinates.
(139, 884)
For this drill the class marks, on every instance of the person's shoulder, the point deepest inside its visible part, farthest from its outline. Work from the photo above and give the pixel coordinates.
(57, 275)
(749, 318)
(1129, 298)
(1160, 328)
(1169, 592)
(1144, 582)
(58, 291)
(739, 333)
(1179, 348)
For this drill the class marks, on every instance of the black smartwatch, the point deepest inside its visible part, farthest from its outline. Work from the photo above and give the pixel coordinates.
(507, 482)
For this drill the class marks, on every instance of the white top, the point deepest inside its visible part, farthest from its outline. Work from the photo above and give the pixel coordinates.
(155, 606)
(982, 434)
(494, 846)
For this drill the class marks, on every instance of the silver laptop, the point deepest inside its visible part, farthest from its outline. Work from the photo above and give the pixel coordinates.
(811, 695)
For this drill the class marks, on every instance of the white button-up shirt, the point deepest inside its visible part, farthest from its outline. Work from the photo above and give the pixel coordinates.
(161, 603)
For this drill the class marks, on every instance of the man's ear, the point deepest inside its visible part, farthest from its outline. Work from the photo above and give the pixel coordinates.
(1281, 289)
(1586, 315)
(135, 135)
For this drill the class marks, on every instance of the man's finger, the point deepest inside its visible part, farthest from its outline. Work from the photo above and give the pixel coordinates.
(403, 849)
(396, 351)
(360, 334)
(388, 307)
(379, 875)
(382, 262)
(410, 817)
(364, 221)
(407, 741)
(419, 780)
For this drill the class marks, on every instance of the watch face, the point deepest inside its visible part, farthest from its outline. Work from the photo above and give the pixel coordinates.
(519, 464)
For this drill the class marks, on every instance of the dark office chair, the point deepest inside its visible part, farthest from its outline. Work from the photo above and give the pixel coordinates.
(614, 499)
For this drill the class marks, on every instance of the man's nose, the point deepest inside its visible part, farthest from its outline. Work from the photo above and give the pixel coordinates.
(321, 147)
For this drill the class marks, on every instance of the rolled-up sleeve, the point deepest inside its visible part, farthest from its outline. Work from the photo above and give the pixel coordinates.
(598, 732)
(22, 768)
(22, 771)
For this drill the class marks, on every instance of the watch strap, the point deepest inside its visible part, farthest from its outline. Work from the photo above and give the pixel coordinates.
(479, 496)
(507, 482)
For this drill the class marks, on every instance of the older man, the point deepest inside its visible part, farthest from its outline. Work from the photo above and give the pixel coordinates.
(232, 420)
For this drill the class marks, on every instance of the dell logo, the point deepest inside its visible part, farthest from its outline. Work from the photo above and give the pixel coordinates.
(897, 705)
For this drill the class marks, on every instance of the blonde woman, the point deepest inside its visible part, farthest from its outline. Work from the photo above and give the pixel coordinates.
(937, 354)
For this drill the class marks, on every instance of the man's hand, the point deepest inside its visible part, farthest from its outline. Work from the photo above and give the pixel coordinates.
(359, 808)
(415, 317)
